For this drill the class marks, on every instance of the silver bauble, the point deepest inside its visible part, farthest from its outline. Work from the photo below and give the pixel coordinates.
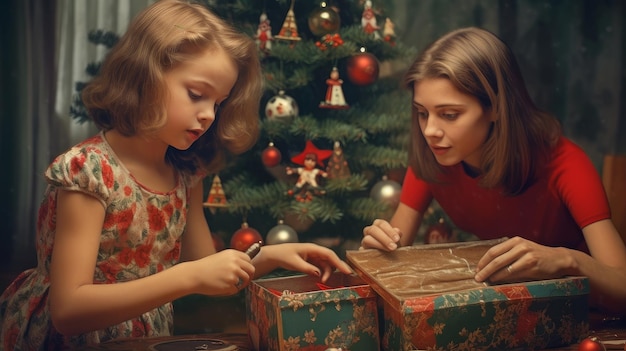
(280, 234)
(387, 191)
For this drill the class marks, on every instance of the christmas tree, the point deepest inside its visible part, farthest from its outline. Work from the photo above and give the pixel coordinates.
(326, 100)
(334, 136)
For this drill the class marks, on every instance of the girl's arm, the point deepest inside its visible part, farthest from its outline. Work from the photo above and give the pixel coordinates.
(399, 231)
(77, 305)
(197, 241)
(308, 258)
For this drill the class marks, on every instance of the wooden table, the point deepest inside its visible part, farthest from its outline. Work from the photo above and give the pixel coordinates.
(606, 329)
(140, 344)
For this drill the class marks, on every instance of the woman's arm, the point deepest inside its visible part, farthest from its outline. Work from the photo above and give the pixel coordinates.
(399, 231)
(519, 259)
(606, 267)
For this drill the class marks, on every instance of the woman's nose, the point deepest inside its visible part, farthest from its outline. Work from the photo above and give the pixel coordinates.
(431, 128)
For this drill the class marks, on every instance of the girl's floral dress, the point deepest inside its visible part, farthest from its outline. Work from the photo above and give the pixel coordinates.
(140, 236)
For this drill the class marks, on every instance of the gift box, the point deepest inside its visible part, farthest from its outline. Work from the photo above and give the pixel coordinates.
(431, 301)
(300, 313)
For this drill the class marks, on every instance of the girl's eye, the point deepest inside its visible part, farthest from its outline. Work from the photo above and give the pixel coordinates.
(421, 114)
(194, 96)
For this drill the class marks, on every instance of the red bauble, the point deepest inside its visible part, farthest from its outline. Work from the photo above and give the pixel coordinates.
(271, 156)
(591, 344)
(244, 237)
(363, 68)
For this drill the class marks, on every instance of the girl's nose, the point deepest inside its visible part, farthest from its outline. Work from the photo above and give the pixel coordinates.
(207, 112)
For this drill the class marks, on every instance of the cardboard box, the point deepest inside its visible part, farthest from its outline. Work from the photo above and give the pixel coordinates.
(300, 313)
(431, 301)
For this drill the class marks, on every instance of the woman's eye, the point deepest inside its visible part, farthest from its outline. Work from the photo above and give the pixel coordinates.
(449, 115)
(421, 114)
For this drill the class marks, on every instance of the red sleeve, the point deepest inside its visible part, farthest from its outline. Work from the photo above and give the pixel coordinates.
(415, 192)
(580, 185)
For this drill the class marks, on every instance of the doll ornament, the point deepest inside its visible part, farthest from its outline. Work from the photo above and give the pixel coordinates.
(264, 34)
(368, 20)
(306, 186)
(334, 93)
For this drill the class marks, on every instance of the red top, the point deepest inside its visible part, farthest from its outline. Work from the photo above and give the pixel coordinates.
(567, 197)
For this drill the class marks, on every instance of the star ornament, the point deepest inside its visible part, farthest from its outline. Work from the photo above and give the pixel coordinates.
(310, 148)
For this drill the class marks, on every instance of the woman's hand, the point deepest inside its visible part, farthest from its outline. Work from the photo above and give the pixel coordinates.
(381, 235)
(518, 259)
(222, 273)
(308, 258)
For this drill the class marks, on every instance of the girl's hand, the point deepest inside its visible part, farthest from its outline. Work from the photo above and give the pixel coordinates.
(308, 258)
(518, 259)
(381, 235)
(223, 273)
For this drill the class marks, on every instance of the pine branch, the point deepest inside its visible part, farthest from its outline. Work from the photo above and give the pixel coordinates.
(366, 209)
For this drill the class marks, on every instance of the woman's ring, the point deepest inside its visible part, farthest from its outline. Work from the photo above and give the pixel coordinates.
(239, 282)
(509, 268)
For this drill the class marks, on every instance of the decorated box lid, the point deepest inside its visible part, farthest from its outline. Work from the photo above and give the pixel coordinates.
(408, 276)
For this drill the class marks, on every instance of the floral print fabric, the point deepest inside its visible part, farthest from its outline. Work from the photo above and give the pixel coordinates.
(140, 236)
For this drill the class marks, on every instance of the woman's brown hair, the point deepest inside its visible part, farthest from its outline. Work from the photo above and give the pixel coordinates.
(478, 63)
(129, 92)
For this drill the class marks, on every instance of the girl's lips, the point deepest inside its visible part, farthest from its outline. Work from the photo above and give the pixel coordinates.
(194, 134)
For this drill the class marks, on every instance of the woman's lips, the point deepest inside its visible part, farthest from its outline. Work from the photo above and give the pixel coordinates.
(439, 150)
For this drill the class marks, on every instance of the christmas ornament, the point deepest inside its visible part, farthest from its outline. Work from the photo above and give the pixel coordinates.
(337, 167)
(216, 198)
(438, 233)
(264, 34)
(280, 234)
(389, 33)
(386, 191)
(591, 343)
(244, 237)
(281, 107)
(289, 30)
(329, 41)
(368, 20)
(324, 20)
(363, 68)
(271, 156)
(306, 186)
(334, 93)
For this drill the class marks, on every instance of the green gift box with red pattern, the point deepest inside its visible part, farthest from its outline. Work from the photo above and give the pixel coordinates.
(300, 313)
(431, 302)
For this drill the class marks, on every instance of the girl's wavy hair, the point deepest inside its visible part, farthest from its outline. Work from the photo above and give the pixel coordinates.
(129, 93)
(478, 63)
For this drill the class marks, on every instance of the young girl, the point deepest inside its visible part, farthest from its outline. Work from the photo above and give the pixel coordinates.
(179, 90)
(499, 166)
